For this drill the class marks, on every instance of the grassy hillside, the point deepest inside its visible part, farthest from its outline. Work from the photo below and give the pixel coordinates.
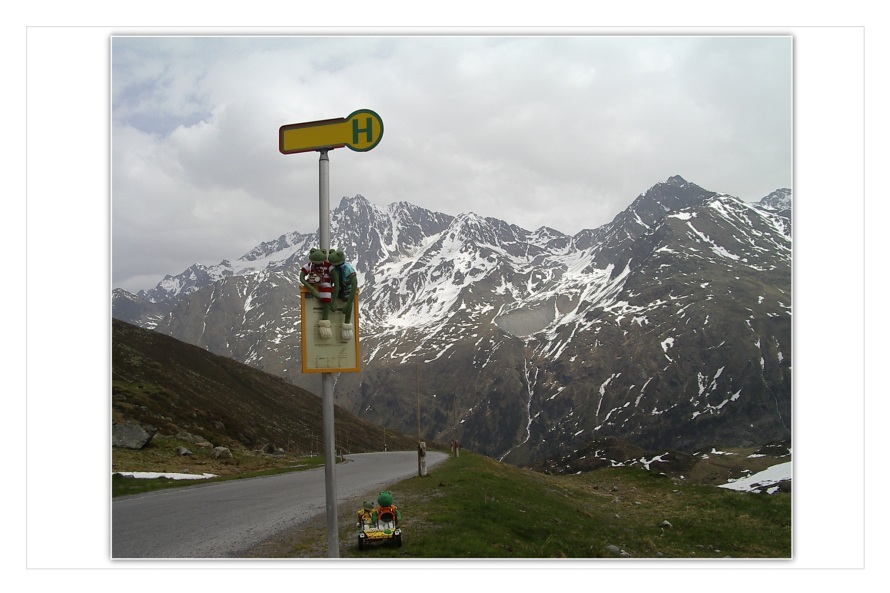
(184, 390)
(476, 507)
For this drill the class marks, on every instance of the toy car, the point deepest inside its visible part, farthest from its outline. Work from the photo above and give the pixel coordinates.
(384, 530)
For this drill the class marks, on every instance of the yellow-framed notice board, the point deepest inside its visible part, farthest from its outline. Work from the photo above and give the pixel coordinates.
(334, 354)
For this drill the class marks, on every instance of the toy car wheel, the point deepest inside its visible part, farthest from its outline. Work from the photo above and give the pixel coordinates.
(361, 543)
(397, 540)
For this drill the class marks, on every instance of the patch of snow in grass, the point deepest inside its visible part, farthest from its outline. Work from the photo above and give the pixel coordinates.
(769, 476)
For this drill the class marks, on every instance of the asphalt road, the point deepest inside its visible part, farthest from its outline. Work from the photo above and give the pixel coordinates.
(223, 519)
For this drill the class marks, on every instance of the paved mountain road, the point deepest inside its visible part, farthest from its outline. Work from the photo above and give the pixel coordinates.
(223, 519)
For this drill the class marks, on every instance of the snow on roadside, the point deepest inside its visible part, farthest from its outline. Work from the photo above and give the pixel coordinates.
(171, 476)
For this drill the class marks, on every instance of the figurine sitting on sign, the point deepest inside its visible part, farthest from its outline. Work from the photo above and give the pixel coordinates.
(344, 276)
(387, 514)
(365, 516)
(316, 276)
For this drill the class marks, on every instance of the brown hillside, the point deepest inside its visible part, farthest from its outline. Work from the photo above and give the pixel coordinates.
(175, 387)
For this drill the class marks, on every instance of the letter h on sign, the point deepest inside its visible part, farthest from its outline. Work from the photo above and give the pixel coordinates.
(368, 130)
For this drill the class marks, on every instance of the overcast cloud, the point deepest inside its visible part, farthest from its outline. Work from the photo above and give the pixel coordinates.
(562, 131)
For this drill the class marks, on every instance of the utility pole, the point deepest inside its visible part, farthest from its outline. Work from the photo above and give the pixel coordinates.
(417, 393)
(421, 446)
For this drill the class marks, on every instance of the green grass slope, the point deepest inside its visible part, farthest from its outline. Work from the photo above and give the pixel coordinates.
(476, 507)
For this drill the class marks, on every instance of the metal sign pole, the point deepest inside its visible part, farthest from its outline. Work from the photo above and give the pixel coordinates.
(327, 379)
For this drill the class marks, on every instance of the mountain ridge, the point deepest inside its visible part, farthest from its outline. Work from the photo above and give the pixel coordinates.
(531, 342)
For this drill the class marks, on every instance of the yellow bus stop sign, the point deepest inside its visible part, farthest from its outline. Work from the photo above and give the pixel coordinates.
(360, 131)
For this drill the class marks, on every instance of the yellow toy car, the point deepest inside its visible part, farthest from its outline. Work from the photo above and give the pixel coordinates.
(379, 525)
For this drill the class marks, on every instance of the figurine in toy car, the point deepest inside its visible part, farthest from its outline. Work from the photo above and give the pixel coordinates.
(365, 519)
(384, 526)
(316, 276)
(344, 276)
(387, 514)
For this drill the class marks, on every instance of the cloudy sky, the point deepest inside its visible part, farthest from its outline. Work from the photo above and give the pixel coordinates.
(563, 131)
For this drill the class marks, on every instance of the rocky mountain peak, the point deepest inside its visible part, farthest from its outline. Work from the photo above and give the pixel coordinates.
(778, 201)
(677, 181)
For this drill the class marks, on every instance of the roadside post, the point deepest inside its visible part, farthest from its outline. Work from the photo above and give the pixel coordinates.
(359, 131)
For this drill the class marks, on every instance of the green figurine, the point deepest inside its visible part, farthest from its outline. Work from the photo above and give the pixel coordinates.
(365, 518)
(346, 287)
(387, 515)
(316, 276)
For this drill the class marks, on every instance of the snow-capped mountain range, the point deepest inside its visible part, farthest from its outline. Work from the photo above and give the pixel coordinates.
(669, 326)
